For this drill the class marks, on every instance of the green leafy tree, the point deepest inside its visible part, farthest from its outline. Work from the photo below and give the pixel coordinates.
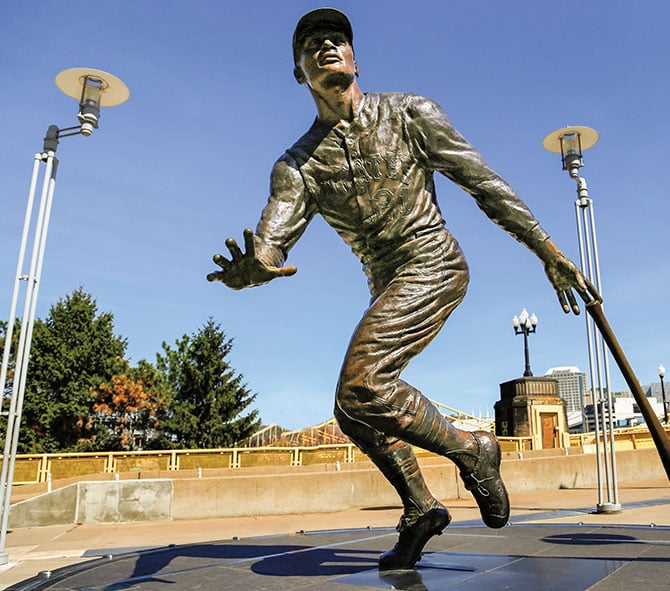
(74, 350)
(208, 397)
(9, 377)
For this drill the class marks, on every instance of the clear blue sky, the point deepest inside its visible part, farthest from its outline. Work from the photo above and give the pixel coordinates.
(142, 205)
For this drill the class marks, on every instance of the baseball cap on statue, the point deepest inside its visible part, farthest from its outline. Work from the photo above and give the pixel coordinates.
(319, 19)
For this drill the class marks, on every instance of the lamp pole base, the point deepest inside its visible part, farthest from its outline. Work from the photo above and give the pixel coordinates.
(608, 508)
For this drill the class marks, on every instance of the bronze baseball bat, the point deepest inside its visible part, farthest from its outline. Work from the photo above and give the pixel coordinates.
(658, 434)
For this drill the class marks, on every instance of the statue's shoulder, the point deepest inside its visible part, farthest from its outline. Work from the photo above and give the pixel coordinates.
(400, 99)
(304, 146)
(406, 103)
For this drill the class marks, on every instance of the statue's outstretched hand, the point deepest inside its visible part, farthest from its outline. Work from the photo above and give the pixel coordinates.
(566, 278)
(244, 269)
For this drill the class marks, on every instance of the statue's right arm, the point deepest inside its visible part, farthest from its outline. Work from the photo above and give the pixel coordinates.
(283, 221)
(444, 149)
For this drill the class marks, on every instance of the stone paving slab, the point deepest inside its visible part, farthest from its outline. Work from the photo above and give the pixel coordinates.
(519, 557)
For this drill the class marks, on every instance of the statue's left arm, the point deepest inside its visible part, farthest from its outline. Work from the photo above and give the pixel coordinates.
(442, 148)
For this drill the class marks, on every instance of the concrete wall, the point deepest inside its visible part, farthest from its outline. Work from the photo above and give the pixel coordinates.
(302, 491)
(55, 508)
(122, 501)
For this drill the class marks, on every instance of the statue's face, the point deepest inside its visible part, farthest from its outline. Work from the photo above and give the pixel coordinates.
(325, 54)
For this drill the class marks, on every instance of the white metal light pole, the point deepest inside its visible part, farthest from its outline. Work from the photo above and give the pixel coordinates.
(93, 89)
(569, 142)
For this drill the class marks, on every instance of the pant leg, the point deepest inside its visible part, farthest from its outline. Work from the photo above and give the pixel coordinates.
(374, 407)
(402, 320)
(396, 461)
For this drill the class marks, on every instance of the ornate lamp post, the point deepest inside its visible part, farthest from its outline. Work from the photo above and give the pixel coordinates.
(570, 142)
(661, 375)
(93, 89)
(525, 325)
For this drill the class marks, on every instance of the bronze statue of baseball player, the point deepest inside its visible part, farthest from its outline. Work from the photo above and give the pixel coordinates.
(366, 166)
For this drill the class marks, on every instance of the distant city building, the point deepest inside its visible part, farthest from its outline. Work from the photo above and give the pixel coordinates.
(625, 409)
(654, 391)
(572, 387)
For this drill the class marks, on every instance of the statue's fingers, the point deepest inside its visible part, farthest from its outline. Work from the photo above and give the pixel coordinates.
(286, 271)
(234, 249)
(215, 276)
(573, 302)
(562, 300)
(589, 292)
(249, 244)
(283, 271)
(222, 261)
(593, 291)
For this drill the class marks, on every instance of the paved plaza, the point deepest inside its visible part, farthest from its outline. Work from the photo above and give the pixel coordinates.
(556, 540)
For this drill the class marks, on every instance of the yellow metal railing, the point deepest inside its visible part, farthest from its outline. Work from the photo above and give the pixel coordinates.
(37, 468)
(628, 438)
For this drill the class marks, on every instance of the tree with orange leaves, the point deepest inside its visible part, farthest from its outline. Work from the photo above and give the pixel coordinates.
(128, 412)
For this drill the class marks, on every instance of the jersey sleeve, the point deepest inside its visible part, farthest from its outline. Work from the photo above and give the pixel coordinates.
(286, 215)
(441, 148)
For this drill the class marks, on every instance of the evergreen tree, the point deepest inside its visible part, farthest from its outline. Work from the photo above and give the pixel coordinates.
(73, 351)
(9, 378)
(208, 398)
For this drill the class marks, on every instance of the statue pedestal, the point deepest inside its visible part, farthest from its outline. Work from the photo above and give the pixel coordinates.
(531, 407)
